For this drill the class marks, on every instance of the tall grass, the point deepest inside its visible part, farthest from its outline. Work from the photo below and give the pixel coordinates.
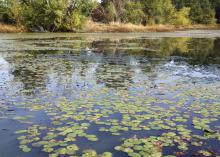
(128, 27)
(4, 28)
(113, 27)
(119, 27)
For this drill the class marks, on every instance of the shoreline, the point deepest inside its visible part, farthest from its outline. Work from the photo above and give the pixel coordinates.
(92, 27)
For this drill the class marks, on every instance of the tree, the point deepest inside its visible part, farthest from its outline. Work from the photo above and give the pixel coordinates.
(53, 15)
(70, 15)
(158, 11)
(3, 10)
(10, 11)
(182, 17)
(133, 13)
(179, 4)
(202, 12)
(114, 8)
(216, 5)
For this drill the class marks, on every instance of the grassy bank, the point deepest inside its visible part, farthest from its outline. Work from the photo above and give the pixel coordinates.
(118, 27)
(4, 28)
(94, 27)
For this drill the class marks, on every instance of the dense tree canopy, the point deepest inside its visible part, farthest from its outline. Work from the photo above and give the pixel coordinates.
(69, 15)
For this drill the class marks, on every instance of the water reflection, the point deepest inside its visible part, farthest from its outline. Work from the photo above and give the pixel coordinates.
(114, 63)
(89, 70)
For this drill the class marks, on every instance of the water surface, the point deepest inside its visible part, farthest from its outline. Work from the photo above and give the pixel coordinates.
(152, 94)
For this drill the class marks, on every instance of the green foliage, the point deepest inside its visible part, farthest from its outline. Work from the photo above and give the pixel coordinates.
(39, 13)
(10, 11)
(15, 11)
(216, 5)
(182, 17)
(179, 3)
(168, 11)
(104, 13)
(2, 10)
(49, 15)
(111, 12)
(114, 9)
(133, 13)
(74, 22)
(99, 15)
(2, 7)
(159, 11)
(153, 10)
(70, 15)
(202, 12)
(87, 6)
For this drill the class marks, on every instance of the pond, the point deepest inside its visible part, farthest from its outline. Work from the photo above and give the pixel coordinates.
(120, 95)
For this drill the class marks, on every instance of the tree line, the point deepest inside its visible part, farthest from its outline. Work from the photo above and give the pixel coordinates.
(71, 15)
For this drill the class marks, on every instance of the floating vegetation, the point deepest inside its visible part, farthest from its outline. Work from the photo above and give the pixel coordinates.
(69, 105)
(75, 118)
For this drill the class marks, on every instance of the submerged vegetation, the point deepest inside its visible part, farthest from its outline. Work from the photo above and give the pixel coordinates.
(71, 15)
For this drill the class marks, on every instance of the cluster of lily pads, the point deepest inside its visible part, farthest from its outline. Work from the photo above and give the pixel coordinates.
(174, 121)
(147, 120)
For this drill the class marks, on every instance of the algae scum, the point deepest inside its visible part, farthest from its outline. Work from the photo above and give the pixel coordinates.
(103, 95)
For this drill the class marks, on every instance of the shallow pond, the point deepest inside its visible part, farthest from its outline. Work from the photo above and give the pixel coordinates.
(150, 95)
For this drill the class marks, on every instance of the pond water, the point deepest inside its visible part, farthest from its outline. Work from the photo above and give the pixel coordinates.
(151, 95)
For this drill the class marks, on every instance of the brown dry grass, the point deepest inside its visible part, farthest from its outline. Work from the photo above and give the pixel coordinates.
(4, 28)
(120, 27)
(113, 27)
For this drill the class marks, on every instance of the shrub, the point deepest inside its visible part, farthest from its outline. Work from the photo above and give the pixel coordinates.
(10, 12)
(74, 22)
(99, 15)
(52, 16)
(182, 17)
(133, 13)
(159, 11)
(202, 12)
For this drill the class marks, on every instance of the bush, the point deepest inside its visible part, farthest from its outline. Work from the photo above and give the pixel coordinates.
(111, 12)
(87, 7)
(159, 11)
(40, 14)
(10, 12)
(133, 13)
(99, 15)
(202, 12)
(51, 16)
(46, 15)
(73, 23)
(182, 17)
(168, 12)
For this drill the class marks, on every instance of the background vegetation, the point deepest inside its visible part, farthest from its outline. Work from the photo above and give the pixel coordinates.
(71, 15)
